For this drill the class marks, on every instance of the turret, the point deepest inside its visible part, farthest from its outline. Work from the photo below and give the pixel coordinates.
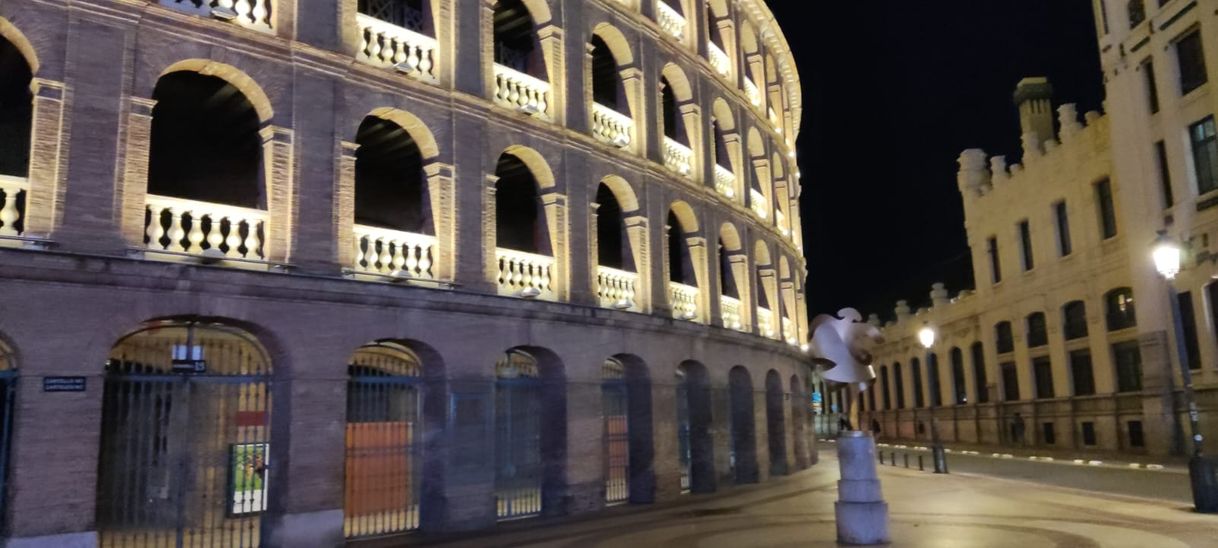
(1034, 97)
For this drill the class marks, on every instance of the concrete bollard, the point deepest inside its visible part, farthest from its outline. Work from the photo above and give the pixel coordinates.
(862, 514)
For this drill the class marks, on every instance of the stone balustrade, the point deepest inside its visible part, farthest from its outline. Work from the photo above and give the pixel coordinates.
(752, 92)
(386, 44)
(524, 274)
(719, 59)
(678, 157)
(210, 230)
(730, 308)
(612, 127)
(765, 322)
(394, 253)
(616, 288)
(758, 203)
(13, 190)
(517, 90)
(670, 21)
(254, 14)
(725, 181)
(684, 301)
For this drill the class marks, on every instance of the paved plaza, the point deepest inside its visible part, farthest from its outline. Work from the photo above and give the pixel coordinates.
(956, 510)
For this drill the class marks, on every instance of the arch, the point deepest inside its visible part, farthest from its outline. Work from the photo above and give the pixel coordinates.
(14, 36)
(723, 115)
(761, 254)
(626, 400)
(696, 446)
(514, 38)
(391, 189)
(1074, 320)
(730, 236)
(539, 10)
(623, 192)
(418, 130)
(613, 246)
(618, 45)
(180, 395)
(685, 216)
(536, 163)
(234, 76)
(743, 456)
(678, 81)
(729, 245)
(16, 125)
(776, 423)
(980, 385)
(520, 222)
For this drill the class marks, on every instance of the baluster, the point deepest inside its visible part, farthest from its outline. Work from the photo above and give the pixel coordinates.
(513, 93)
(401, 50)
(195, 237)
(503, 278)
(214, 236)
(425, 261)
(234, 240)
(542, 103)
(425, 62)
(8, 215)
(176, 232)
(413, 58)
(374, 45)
(411, 262)
(260, 12)
(155, 230)
(364, 42)
(374, 255)
(243, 10)
(401, 253)
(252, 241)
(359, 252)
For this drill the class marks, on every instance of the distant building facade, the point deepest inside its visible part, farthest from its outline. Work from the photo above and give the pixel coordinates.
(1067, 341)
(297, 272)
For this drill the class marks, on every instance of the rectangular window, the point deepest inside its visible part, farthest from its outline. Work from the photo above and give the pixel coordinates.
(887, 388)
(1025, 240)
(1128, 360)
(900, 386)
(1205, 154)
(1049, 433)
(1064, 245)
(1081, 373)
(979, 380)
(959, 389)
(991, 247)
(919, 396)
(1189, 319)
(936, 391)
(1042, 369)
(1191, 57)
(1010, 382)
(1164, 174)
(1136, 437)
(1006, 339)
(1152, 90)
(1107, 211)
(1089, 433)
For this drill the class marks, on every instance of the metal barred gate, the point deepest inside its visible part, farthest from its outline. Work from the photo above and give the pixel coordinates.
(384, 431)
(616, 433)
(684, 450)
(8, 385)
(185, 439)
(518, 464)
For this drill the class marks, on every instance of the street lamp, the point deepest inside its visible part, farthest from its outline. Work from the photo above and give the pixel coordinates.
(1202, 471)
(926, 336)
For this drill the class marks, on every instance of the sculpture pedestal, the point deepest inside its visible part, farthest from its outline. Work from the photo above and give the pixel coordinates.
(862, 514)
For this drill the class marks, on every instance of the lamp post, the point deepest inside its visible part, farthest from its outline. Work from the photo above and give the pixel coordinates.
(927, 337)
(1202, 471)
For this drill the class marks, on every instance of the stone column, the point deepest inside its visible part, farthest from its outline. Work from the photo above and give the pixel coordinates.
(698, 255)
(555, 205)
(281, 196)
(638, 107)
(443, 194)
(43, 202)
(731, 141)
(344, 205)
(744, 287)
(489, 244)
(701, 165)
(551, 38)
(640, 246)
(862, 514)
(133, 188)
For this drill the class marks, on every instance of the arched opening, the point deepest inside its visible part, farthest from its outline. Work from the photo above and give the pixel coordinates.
(720, 37)
(185, 436)
(16, 120)
(959, 390)
(723, 158)
(515, 38)
(628, 450)
(607, 87)
(776, 423)
(530, 433)
(1074, 320)
(391, 413)
(670, 117)
(679, 124)
(915, 369)
(1119, 309)
(768, 312)
(754, 71)
(393, 219)
(743, 458)
(799, 421)
(205, 149)
(886, 387)
(695, 439)
(1038, 331)
(898, 385)
(683, 281)
(612, 242)
(932, 370)
(980, 383)
(519, 218)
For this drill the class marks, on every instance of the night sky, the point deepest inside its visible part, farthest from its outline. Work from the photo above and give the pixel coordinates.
(894, 90)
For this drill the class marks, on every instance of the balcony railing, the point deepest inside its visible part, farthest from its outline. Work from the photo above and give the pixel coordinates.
(670, 21)
(14, 190)
(525, 274)
(758, 203)
(210, 230)
(247, 13)
(394, 253)
(730, 308)
(386, 44)
(678, 157)
(765, 322)
(515, 89)
(719, 59)
(725, 181)
(616, 288)
(611, 126)
(753, 92)
(684, 301)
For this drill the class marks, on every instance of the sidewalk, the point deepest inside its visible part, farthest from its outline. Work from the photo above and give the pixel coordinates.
(1105, 458)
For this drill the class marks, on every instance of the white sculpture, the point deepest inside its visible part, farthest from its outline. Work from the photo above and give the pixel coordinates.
(842, 346)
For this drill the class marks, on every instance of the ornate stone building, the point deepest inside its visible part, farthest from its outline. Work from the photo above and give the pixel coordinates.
(1050, 350)
(295, 272)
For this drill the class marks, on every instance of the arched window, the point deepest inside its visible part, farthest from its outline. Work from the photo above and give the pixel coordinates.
(936, 388)
(1119, 309)
(1074, 315)
(695, 436)
(519, 220)
(606, 84)
(1137, 12)
(680, 265)
(670, 117)
(408, 14)
(1038, 334)
(884, 384)
(390, 189)
(899, 385)
(16, 118)
(1004, 337)
(516, 45)
(980, 383)
(959, 390)
(743, 456)
(518, 446)
(915, 369)
(612, 243)
(727, 277)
